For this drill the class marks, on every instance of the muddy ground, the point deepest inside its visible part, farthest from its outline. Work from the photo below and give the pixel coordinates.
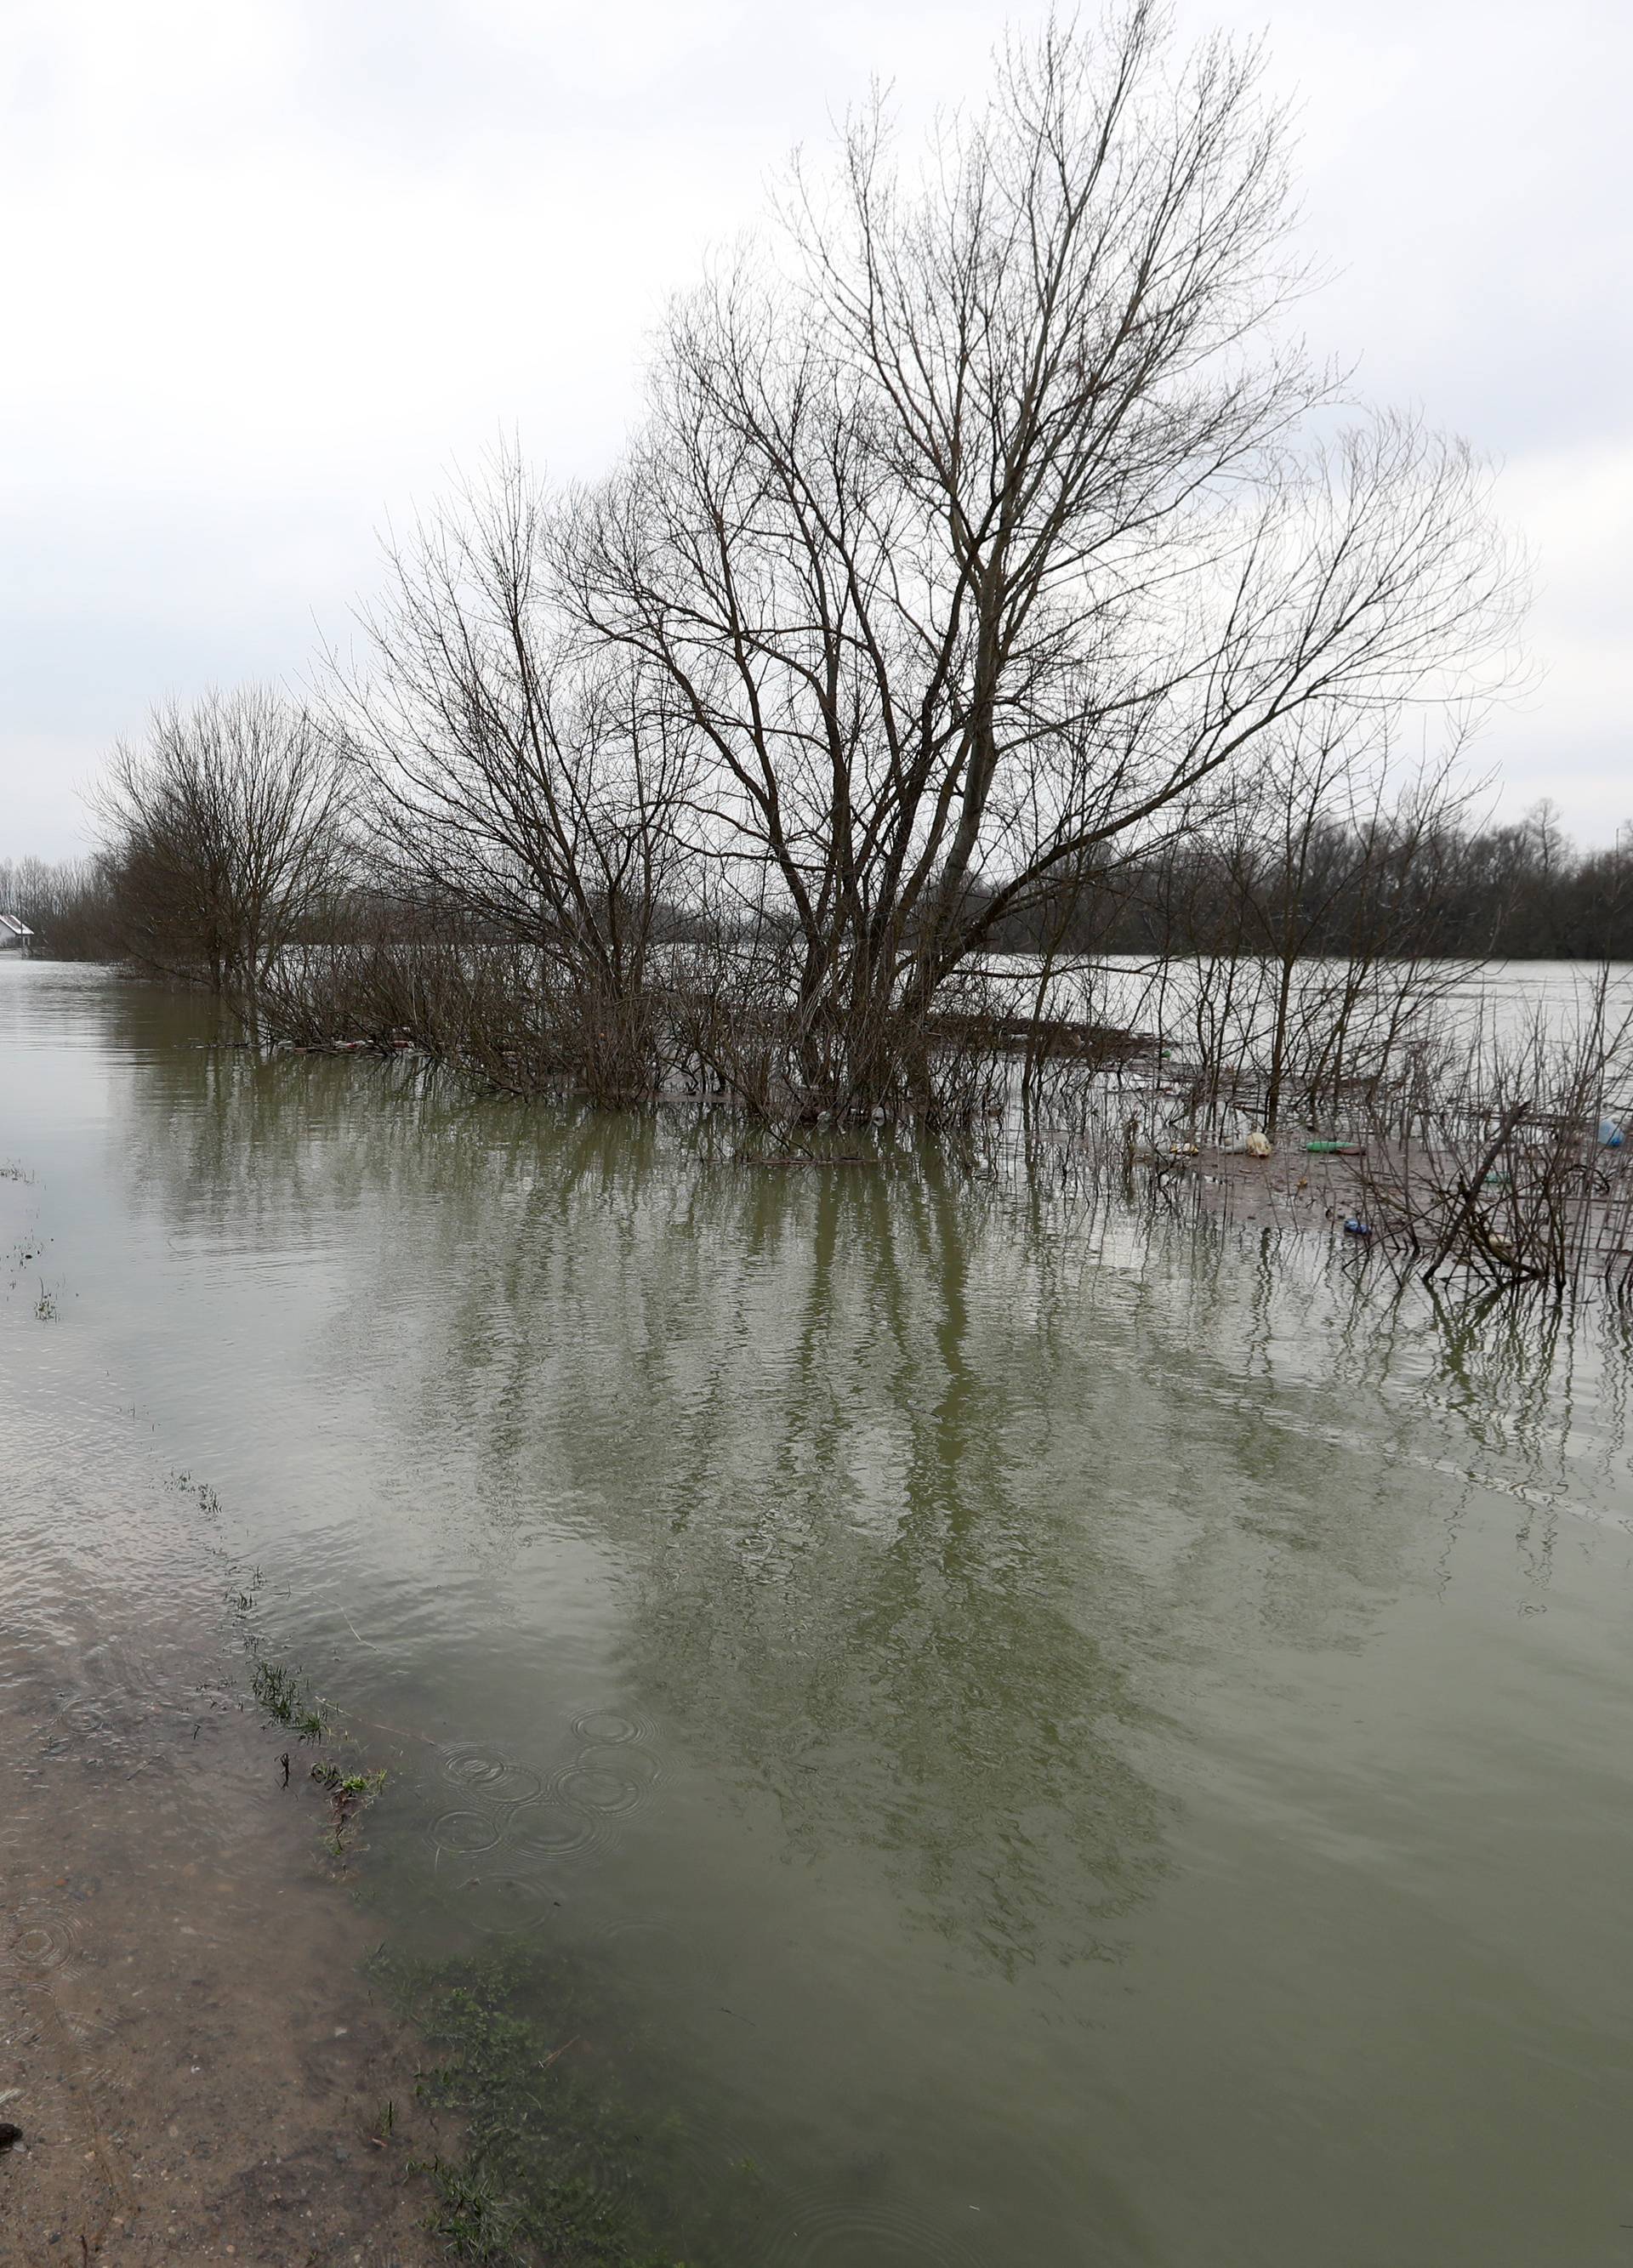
(198, 2069)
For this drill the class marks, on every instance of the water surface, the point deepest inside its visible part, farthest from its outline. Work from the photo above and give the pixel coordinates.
(1039, 1732)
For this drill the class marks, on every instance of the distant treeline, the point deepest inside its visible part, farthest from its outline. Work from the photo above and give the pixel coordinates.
(71, 904)
(1518, 891)
(1439, 890)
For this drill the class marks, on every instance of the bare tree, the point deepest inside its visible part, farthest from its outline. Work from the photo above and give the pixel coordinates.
(982, 516)
(1322, 842)
(225, 830)
(529, 788)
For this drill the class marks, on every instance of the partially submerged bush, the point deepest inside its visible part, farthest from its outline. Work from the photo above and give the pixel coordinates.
(1512, 1167)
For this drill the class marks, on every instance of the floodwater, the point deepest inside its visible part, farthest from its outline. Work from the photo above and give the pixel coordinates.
(1038, 1734)
(1485, 1006)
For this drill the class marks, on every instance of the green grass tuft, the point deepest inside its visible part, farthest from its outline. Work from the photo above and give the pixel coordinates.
(280, 1692)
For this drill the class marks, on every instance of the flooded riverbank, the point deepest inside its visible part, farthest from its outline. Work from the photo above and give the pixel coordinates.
(188, 2047)
(987, 1724)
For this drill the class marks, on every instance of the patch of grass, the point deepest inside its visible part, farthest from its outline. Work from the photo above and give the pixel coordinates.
(354, 1789)
(280, 1692)
(349, 1793)
(209, 1502)
(526, 2192)
(243, 1597)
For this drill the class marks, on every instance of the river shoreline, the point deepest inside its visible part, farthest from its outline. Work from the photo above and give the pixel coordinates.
(195, 2063)
(197, 2068)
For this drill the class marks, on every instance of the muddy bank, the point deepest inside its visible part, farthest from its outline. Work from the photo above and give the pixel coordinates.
(198, 2069)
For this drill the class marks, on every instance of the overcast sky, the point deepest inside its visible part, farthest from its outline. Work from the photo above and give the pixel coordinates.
(272, 267)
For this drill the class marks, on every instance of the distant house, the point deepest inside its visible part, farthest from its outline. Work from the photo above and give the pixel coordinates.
(14, 934)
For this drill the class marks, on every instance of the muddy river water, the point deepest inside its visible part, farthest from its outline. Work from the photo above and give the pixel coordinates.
(1025, 1732)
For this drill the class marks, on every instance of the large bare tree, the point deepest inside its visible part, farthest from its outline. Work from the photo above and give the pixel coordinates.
(985, 511)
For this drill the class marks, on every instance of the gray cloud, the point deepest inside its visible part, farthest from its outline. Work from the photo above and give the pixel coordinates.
(270, 270)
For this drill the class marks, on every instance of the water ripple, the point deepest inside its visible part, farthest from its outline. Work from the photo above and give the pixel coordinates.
(550, 1826)
(43, 1945)
(608, 1780)
(490, 1772)
(466, 1832)
(827, 2232)
(611, 1729)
